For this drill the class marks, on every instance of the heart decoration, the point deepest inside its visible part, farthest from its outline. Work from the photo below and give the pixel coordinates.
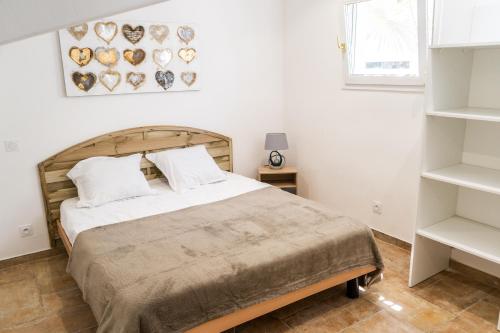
(107, 56)
(159, 32)
(85, 81)
(106, 31)
(135, 57)
(136, 79)
(189, 78)
(185, 33)
(110, 79)
(187, 54)
(162, 57)
(133, 35)
(81, 56)
(79, 31)
(165, 79)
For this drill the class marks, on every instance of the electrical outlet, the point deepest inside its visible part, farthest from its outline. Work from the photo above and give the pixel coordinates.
(377, 207)
(26, 230)
(11, 146)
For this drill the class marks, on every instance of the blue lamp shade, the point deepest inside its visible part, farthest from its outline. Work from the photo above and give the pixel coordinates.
(276, 141)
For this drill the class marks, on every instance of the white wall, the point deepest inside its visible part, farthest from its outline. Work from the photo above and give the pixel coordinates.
(242, 97)
(351, 147)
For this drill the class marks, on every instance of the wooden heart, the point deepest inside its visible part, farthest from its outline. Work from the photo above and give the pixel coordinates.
(159, 32)
(79, 31)
(110, 79)
(135, 57)
(85, 81)
(107, 56)
(106, 30)
(162, 57)
(187, 54)
(165, 79)
(81, 56)
(136, 79)
(189, 78)
(185, 33)
(133, 35)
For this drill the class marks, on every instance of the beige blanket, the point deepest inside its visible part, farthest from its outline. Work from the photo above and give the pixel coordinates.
(172, 272)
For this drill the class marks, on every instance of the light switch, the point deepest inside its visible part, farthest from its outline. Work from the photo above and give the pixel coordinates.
(11, 146)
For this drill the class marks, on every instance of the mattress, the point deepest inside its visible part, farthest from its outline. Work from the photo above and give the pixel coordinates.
(75, 220)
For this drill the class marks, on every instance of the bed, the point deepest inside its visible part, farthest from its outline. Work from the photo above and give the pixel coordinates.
(205, 261)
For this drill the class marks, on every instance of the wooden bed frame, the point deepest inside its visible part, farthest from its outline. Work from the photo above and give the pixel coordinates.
(56, 187)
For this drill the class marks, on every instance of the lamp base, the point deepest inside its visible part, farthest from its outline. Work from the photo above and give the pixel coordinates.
(276, 160)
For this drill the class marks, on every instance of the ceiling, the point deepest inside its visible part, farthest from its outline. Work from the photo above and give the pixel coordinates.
(21, 19)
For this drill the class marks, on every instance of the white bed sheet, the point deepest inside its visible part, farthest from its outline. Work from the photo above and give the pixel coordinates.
(75, 220)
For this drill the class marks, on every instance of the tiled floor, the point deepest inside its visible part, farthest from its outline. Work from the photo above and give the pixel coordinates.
(40, 297)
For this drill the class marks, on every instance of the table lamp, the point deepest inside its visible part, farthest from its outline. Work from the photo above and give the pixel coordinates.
(275, 142)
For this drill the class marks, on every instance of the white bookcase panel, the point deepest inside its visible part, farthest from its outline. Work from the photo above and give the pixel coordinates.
(439, 200)
(465, 22)
(484, 83)
(452, 29)
(444, 142)
(479, 206)
(451, 71)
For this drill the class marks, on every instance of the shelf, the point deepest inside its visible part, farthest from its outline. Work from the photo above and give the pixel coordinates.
(282, 184)
(466, 235)
(486, 45)
(474, 177)
(468, 113)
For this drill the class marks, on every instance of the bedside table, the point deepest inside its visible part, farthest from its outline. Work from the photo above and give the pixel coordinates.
(285, 179)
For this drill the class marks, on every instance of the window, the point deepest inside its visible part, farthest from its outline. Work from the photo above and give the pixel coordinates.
(384, 42)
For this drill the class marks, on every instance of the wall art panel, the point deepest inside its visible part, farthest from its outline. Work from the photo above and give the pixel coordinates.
(121, 57)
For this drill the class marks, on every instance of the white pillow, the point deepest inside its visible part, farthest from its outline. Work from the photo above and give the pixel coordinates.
(104, 179)
(187, 168)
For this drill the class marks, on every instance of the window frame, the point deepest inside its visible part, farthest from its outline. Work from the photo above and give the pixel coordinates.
(381, 82)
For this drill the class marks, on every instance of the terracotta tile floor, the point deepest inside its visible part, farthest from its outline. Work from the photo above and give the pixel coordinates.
(40, 297)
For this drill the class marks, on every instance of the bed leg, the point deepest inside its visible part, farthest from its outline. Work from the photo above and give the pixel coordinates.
(352, 289)
(363, 281)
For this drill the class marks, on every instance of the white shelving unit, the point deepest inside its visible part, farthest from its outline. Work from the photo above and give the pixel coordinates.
(461, 161)
(459, 198)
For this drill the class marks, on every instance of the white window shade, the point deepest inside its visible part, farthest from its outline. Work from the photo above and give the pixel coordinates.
(385, 42)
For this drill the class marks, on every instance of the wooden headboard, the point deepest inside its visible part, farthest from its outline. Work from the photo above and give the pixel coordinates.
(56, 187)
